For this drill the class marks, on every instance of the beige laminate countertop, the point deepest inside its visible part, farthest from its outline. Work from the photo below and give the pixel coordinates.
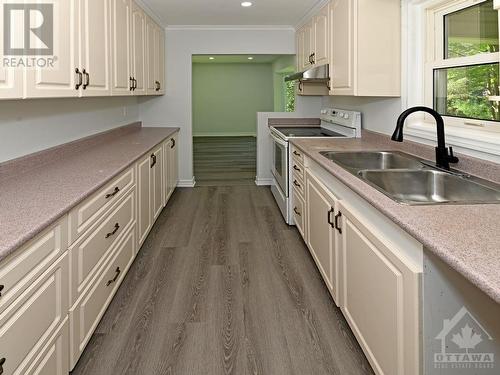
(37, 190)
(466, 237)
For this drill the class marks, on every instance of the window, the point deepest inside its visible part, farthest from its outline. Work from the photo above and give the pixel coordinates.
(289, 96)
(463, 68)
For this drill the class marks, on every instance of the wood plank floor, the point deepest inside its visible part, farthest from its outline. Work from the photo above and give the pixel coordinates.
(225, 160)
(223, 286)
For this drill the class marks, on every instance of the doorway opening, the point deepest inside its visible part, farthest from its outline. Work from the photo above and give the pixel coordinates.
(228, 92)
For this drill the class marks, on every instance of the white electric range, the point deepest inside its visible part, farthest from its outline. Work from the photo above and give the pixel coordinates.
(335, 123)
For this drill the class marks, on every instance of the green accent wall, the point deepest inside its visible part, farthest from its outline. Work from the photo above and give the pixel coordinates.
(227, 97)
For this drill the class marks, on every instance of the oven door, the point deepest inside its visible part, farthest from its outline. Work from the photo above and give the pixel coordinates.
(280, 163)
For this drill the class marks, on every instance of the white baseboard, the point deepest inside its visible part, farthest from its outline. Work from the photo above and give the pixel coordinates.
(263, 181)
(187, 183)
(232, 134)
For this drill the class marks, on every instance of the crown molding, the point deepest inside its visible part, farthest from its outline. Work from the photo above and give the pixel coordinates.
(231, 27)
(320, 4)
(151, 13)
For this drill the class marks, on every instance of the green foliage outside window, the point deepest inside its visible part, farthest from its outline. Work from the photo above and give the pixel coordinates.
(463, 91)
(289, 96)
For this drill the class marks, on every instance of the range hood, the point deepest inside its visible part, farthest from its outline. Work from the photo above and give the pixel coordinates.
(317, 74)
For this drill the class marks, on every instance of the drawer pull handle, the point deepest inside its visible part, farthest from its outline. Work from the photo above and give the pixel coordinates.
(153, 157)
(337, 226)
(116, 191)
(2, 361)
(296, 183)
(296, 153)
(117, 226)
(297, 212)
(1, 289)
(173, 143)
(329, 218)
(296, 168)
(113, 280)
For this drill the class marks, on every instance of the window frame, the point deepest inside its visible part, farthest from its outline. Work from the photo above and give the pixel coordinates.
(434, 59)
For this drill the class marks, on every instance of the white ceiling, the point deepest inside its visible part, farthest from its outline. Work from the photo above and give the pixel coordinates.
(230, 12)
(235, 59)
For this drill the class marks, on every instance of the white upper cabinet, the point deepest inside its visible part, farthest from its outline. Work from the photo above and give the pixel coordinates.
(321, 47)
(161, 62)
(359, 66)
(139, 57)
(121, 46)
(95, 51)
(152, 55)
(63, 79)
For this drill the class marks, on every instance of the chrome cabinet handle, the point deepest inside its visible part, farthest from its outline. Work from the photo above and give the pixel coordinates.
(337, 226)
(297, 212)
(116, 191)
(117, 226)
(80, 79)
(113, 280)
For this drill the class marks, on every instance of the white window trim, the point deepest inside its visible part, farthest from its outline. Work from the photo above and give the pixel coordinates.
(481, 140)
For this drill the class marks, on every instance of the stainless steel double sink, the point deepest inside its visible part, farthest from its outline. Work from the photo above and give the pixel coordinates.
(413, 181)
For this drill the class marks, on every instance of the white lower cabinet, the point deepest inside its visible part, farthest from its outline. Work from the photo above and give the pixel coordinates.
(380, 297)
(88, 310)
(322, 239)
(157, 181)
(34, 321)
(144, 219)
(171, 170)
(372, 268)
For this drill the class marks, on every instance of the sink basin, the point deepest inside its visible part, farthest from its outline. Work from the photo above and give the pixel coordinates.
(431, 187)
(374, 160)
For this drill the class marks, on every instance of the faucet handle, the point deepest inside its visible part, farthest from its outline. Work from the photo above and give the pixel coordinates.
(452, 158)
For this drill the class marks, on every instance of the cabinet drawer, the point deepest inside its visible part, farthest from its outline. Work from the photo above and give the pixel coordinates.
(298, 170)
(299, 212)
(90, 251)
(298, 184)
(32, 320)
(18, 271)
(297, 155)
(87, 213)
(87, 312)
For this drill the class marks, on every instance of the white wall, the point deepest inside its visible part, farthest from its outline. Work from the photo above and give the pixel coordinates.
(175, 108)
(28, 126)
(379, 114)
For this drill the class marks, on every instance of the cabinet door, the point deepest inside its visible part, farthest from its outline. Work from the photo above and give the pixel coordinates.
(29, 323)
(321, 38)
(152, 56)
(308, 45)
(121, 46)
(61, 80)
(300, 49)
(95, 46)
(173, 168)
(139, 49)
(342, 45)
(380, 297)
(156, 182)
(144, 197)
(321, 208)
(161, 61)
(11, 84)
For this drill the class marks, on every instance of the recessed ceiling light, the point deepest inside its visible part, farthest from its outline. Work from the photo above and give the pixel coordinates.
(250, 58)
(246, 4)
(211, 58)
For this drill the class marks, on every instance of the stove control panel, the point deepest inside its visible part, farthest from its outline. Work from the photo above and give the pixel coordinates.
(343, 117)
